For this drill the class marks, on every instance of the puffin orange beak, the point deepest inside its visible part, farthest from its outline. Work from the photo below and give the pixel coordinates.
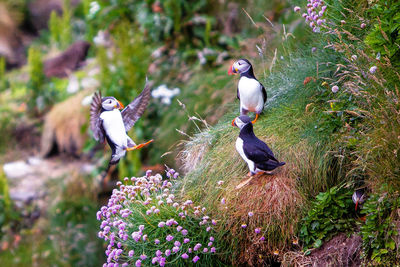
(231, 70)
(356, 205)
(233, 122)
(120, 105)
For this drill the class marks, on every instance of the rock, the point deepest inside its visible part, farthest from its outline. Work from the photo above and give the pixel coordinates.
(40, 10)
(68, 61)
(16, 169)
(23, 196)
(11, 41)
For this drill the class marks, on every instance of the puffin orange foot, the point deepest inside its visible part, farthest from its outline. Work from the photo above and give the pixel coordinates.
(139, 146)
(254, 121)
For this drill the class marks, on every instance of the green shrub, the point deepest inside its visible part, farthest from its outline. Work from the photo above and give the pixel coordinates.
(330, 213)
(37, 79)
(5, 203)
(379, 231)
(145, 224)
(385, 34)
(60, 26)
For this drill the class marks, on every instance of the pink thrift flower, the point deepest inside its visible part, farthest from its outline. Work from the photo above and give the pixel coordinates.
(143, 257)
(212, 250)
(179, 228)
(161, 224)
(169, 238)
(296, 9)
(167, 252)
(156, 241)
(138, 263)
(205, 250)
(196, 258)
(177, 244)
(158, 253)
(210, 244)
(184, 232)
(185, 256)
(186, 240)
(175, 249)
(211, 239)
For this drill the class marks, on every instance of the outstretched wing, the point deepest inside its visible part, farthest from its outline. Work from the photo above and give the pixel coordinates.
(96, 124)
(136, 108)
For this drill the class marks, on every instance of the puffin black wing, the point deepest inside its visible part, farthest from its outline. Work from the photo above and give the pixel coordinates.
(258, 151)
(96, 124)
(264, 92)
(136, 108)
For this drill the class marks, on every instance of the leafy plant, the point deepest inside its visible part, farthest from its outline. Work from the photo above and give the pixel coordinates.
(145, 224)
(36, 80)
(385, 34)
(60, 26)
(330, 213)
(379, 232)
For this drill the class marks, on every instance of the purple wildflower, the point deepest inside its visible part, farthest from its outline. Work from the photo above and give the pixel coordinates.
(186, 240)
(244, 226)
(185, 256)
(251, 214)
(143, 257)
(211, 238)
(167, 252)
(161, 224)
(158, 253)
(179, 228)
(212, 250)
(130, 253)
(156, 241)
(177, 243)
(175, 249)
(257, 230)
(197, 247)
(169, 237)
(184, 232)
(196, 258)
(210, 244)
(138, 263)
(296, 9)
(205, 250)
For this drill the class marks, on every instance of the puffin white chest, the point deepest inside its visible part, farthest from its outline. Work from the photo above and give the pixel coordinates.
(114, 127)
(239, 149)
(250, 92)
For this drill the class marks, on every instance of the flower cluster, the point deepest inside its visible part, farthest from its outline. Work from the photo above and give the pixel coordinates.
(315, 13)
(143, 223)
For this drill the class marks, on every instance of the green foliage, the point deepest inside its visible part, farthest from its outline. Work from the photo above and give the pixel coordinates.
(5, 203)
(73, 227)
(60, 26)
(330, 213)
(36, 80)
(3, 81)
(385, 34)
(379, 231)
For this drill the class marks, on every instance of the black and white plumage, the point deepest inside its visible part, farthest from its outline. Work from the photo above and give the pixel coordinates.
(358, 197)
(255, 152)
(250, 91)
(108, 123)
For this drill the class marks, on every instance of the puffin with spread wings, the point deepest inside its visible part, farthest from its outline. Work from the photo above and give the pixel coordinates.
(108, 123)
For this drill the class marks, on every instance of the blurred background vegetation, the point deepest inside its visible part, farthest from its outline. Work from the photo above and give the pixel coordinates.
(55, 54)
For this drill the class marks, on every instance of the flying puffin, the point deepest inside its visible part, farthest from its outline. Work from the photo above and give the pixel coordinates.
(250, 91)
(108, 123)
(255, 152)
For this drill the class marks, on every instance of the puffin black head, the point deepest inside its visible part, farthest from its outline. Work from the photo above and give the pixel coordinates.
(241, 121)
(109, 103)
(239, 67)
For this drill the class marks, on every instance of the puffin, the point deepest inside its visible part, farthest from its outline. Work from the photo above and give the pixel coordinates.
(255, 152)
(108, 123)
(250, 91)
(358, 197)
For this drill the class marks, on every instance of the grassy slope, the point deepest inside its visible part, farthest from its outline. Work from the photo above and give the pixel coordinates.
(325, 138)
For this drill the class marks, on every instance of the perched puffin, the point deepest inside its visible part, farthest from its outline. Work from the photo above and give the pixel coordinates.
(250, 91)
(108, 123)
(255, 152)
(358, 197)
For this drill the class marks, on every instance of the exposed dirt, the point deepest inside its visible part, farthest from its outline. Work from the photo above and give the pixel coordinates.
(340, 251)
